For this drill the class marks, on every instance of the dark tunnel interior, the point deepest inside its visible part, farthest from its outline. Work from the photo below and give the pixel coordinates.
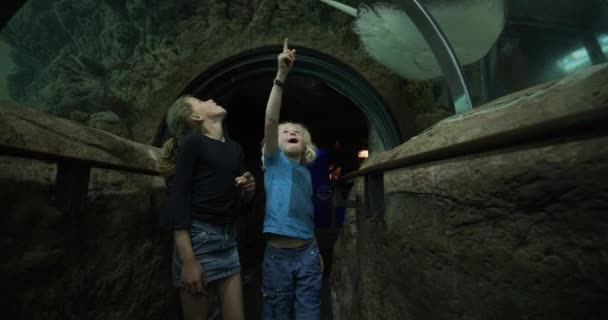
(338, 128)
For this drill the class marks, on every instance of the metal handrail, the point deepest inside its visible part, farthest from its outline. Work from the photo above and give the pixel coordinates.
(45, 156)
(587, 123)
(99, 150)
(72, 177)
(562, 126)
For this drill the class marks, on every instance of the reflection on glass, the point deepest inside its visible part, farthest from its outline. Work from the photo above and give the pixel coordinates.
(6, 65)
(529, 58)
(576, 60)
(461, 103)
(602, 39)
(391, 38)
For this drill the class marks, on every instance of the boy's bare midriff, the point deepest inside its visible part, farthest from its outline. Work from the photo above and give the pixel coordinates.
(279, 241)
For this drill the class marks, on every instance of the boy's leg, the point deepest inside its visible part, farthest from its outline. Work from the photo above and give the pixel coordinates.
(277, 285)
(194, 307)
(308, 284)
(230, 294)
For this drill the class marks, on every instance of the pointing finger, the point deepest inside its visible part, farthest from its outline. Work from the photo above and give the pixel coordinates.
(285, 47)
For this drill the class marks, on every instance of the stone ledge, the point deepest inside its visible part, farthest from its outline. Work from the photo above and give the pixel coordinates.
(573, 95)
(25, 131)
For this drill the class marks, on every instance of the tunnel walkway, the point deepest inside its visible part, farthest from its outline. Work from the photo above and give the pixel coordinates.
(73, 146)
(77, 149)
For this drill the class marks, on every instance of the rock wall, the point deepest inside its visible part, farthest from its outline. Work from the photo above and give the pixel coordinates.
(111, 261)
(517, 233)
(99, 61)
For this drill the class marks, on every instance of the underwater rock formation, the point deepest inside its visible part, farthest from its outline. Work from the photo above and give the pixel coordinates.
(77, 55)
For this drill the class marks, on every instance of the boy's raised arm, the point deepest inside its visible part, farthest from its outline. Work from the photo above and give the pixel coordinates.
(273, 107)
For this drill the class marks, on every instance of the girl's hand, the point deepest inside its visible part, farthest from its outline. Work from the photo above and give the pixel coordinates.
(246, 185)
(286, 59)
(192, 277)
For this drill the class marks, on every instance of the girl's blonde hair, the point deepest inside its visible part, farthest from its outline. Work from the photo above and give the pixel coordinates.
(310, 150)
(180, 125)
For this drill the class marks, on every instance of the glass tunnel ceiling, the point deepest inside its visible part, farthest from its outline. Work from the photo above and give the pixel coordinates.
(76, 58)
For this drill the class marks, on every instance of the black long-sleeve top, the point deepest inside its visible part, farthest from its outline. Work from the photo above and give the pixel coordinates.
(203, 186)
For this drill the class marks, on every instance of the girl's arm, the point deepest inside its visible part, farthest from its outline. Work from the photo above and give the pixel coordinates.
(178, 207)
(273, 108)
(179, 210)
(192, 272)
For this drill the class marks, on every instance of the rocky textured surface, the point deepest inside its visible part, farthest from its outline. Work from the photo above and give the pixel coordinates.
(109, 262)
(133, 57)
(517, 233)
(31, 130)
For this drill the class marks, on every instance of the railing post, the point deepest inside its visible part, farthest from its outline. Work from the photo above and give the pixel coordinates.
(337, 191)
(374, 194)
(71, 186)
(336, 196)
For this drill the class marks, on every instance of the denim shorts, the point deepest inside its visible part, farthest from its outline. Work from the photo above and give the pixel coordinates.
(291, 283)
(215, 249)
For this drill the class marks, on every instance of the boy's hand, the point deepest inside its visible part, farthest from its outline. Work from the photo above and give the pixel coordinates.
(246, 185)
(286, 59)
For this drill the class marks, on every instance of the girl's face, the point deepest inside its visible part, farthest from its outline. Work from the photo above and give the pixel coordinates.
(291, 139)
(208, 109)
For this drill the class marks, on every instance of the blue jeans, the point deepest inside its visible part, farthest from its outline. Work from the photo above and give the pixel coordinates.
(292, 276)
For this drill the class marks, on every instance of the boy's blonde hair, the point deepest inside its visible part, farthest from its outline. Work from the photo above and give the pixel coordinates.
(310, 150)
(180, 125)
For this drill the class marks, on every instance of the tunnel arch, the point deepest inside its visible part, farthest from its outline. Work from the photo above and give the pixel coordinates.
(261, 62)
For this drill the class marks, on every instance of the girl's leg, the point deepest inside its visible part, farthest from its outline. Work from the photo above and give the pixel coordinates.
(230, 294)
(194, 307)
